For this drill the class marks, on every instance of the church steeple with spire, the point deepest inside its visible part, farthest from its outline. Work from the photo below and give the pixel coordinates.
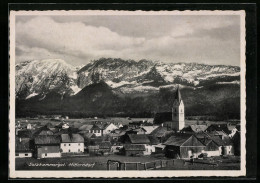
(178, 112)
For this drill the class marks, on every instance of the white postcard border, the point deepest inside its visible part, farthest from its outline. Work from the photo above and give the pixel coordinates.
(123, 174)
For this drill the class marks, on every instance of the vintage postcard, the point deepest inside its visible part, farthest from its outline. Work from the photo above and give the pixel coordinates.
(114, 94)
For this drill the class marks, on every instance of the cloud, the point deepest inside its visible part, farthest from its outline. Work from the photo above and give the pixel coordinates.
(213, 40)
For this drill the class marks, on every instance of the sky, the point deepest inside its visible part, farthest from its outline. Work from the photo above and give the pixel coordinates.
(208, 39)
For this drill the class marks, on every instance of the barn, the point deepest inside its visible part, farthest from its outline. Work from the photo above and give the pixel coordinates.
(183, 146)
(133, 149)
(47, 146)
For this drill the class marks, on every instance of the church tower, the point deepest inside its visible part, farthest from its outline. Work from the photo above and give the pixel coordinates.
(178, 111)
(177, 123)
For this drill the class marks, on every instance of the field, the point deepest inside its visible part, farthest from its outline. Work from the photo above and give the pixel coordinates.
(100, 163)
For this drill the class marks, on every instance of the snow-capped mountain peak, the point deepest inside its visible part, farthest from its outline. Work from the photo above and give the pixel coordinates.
(38, 76)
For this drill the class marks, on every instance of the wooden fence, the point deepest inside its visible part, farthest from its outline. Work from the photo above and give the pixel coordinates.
(117, 165)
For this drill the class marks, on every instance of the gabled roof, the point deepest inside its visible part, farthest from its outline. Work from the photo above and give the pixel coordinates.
(85, 127)
(73, 138)
(218, 127)
(206, 141)
(222, 142)
(95, 127)
(139, 139)
(183, 140)
(159, 132)
(149, 129)
(47, 139)
(202, 135)
(22, 144)
(134, 147)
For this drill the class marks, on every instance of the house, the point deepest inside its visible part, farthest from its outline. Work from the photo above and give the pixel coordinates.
(161, 133)
(133, 149)
(142, 139)
(211, 147)
(23, 148)
(87, 138)
(47, 146)
(183, 146)
(218, 127)
(72, 143)
(226, 144)
(151, 147)
(108, 128)
(65, 126)
(96, 130)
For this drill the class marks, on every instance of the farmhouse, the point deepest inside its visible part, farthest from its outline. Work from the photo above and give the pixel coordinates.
(148, 142)
(183, 146)
(72, 143)
(47, 146)
(23, 148)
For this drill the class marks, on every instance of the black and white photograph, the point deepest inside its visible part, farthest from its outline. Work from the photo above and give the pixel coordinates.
(127, 94)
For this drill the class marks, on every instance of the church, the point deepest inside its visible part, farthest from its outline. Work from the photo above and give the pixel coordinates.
(178, 121)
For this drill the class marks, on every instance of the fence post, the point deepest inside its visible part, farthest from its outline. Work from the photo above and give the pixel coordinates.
(125, 166)
(161, 163)
(137, 166)
(145, 166)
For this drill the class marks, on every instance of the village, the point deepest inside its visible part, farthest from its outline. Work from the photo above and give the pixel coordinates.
(137, 142)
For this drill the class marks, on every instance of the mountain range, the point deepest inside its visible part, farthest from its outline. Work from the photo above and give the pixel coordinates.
(115, 86)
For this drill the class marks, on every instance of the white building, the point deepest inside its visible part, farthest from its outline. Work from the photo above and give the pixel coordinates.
(72, 143)
(110, 127)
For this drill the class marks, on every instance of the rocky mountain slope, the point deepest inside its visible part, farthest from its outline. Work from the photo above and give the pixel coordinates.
(126, 76)
(125, 87)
